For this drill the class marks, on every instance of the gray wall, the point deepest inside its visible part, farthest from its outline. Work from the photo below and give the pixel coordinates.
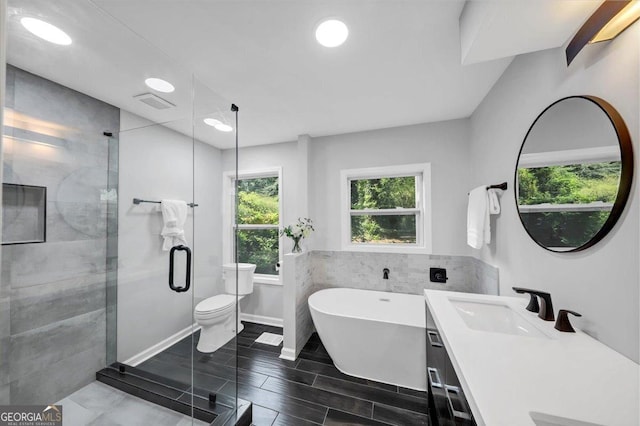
(602, 282)
(157, 163)
(571, 124)
(56, 289)
(444, 145)
(266, 299)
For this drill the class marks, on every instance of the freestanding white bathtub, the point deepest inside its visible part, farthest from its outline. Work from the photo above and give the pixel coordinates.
(373, 334)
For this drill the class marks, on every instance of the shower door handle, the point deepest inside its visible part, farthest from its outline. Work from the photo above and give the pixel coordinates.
(187, 281)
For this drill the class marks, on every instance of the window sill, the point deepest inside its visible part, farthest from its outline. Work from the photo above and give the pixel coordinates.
(386, 249)
(267, 280)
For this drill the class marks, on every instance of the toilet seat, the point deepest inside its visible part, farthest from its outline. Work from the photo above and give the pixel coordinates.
(215, 305)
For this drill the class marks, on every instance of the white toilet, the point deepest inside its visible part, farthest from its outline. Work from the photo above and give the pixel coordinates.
(216, 314)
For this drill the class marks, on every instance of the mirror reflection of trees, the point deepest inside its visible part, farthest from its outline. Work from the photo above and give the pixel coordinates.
(565, 206)
(578, 183)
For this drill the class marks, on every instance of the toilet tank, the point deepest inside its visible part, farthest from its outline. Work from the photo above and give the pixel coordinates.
(245, 277)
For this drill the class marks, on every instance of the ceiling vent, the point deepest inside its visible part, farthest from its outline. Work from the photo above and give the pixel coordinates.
(154, 101)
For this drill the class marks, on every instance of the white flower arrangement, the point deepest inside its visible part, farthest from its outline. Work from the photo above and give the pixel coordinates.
(298, 231)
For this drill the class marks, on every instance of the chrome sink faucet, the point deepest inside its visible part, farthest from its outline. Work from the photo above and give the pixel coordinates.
(545, 309)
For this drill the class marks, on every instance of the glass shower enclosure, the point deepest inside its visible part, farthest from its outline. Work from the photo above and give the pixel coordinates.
(112, 224)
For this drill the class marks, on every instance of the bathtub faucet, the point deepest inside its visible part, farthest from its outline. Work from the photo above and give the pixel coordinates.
(385, 274)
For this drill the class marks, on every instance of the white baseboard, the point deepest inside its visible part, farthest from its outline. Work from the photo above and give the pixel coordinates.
(161, 346)
(259, 319)
(288, 354)
(175, 338)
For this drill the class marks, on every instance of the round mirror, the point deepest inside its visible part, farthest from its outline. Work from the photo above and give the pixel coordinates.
(574, 173)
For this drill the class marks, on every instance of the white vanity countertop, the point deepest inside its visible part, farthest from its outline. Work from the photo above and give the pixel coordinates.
(505, 377)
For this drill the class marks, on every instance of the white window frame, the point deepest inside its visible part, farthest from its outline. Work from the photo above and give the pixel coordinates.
(423, 210)
(569, 157)
(228, 216)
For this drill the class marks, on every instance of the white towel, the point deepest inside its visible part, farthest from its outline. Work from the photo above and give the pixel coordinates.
(174, 214)
(494, 202)
(478, 227)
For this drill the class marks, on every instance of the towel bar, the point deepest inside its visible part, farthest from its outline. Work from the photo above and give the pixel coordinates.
(138, 201)
(502, 186)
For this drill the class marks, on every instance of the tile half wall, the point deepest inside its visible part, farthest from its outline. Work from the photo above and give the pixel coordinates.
(306, 273)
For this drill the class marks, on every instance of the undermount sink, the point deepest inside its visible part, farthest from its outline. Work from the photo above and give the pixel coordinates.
(542, 419)
(494, 317)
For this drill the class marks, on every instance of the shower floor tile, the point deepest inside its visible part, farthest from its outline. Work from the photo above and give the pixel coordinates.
(308, 391)
(100, 404)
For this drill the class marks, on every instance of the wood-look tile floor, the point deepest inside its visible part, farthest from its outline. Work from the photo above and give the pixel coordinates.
(308, 391)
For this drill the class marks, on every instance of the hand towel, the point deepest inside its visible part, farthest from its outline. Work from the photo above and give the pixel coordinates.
(174, 214)
(494, 201)
(478, 228)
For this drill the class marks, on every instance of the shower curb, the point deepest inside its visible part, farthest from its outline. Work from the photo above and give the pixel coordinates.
(176, 396)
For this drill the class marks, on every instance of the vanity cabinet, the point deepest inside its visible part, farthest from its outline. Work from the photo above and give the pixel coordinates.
(447, 403)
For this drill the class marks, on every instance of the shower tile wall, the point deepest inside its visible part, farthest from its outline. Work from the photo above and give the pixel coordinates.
(52, 295)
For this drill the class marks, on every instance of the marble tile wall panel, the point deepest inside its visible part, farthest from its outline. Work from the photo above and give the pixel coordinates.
(486, 277)
(304, 289)
(408, 273)
(57, 289)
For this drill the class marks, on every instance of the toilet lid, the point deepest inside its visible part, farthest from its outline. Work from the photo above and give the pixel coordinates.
(216, 303)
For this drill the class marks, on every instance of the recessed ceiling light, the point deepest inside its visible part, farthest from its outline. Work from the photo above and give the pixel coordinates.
(218, 125)
(160, 85)
(211, 122)
(223, 127)
(332, 33)
(46, 31)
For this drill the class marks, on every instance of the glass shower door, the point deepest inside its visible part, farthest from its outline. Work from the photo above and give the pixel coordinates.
(88, 284)
(156, 251)
(166, 297)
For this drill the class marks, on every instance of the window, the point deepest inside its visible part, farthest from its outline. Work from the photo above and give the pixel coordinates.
(387, 209)
(258, 221)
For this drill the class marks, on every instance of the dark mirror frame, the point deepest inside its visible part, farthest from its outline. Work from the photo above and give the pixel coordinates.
(626, 173)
